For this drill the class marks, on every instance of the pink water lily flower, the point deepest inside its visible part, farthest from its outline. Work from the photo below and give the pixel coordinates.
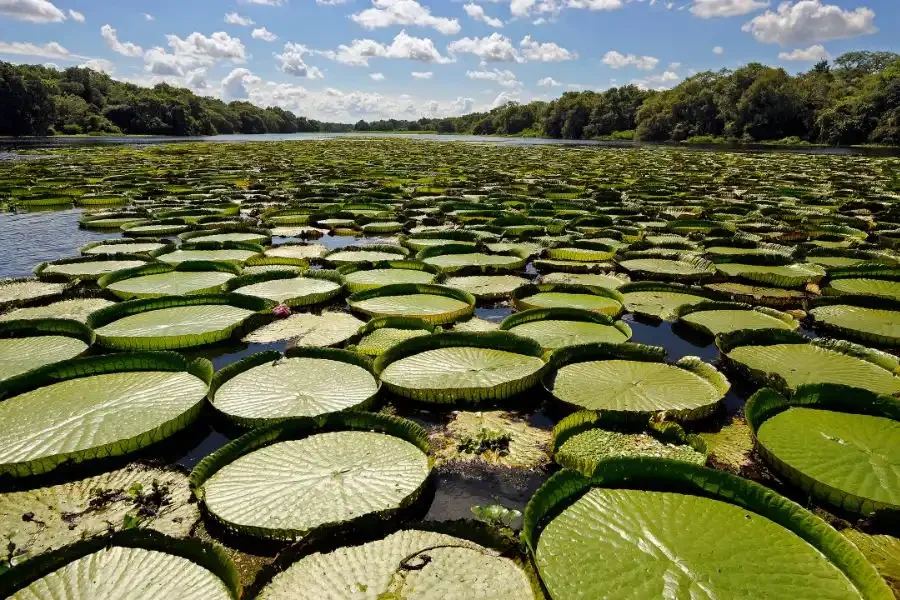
(282, 311)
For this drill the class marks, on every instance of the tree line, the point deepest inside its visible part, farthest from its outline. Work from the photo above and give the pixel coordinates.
(854, 100)
(38, 100)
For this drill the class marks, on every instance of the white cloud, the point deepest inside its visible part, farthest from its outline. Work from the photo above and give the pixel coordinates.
(264, 2)
(504, 97)
(332, 2)
(422, 74)
(99, 64)
(196, 79)
(524, 8)
(506, 78)
(477, 12)
(387, 13)
(76, 16)
(376, 76)
(123, 48)
(810, 21)
(711, 9)
(462, 106)
(718, 50)
(218, 46)
(498, 48)
(493, 48)
(148, 17)
(292, 62)
(48, 50)
(234, 85)
(263, 34)
(662, 81)
(193, 52)
(234, 18)
(617, 60)
(33, 11)
(674, 66)
(404, 46)
(548, 82)
(814, 53)
(533, 51)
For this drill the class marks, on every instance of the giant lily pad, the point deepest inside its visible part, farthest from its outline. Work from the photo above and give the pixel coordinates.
(556, 328)
(846, 459)
(325, 473)
(675, 268)
(87, 268)
(268, 387)
(713, 318)
(467, 367)
(77, 309)
(396, 567)
(96, 407)
(549, 295)
(146, 564)
(292, 289)
(361, 276)
(632, 379)
(27, 345)
(784, 276)
(662, 300)
(18, 291)
(611, 535)
(173, 321)
(487, 287)
(860, 318)
(327, 329)
(436, 304)
(788, 359)
(164, 279)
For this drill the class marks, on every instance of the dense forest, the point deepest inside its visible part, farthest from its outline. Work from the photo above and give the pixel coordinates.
(855, 100)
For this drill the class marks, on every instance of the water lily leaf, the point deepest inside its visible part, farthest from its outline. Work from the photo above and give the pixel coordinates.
(323, 479)
(487, 287)
(97, 407)
(625, 542)
(77, 309)
(259, 390)
(327, 329)
(14, 291)
(455, 568)
(850, 459)
(142, 574)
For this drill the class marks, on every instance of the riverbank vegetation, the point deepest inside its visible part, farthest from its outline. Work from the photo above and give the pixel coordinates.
(855, 100)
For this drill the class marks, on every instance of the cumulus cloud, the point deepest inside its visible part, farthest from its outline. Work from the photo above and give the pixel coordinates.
(711, 9)
(234, 18)
(264, 2)
(462, 106)
(193, 52)
(617, 60)
(477, 12)
(809, 22)
(505, 97)
(404, 46)
(293, 63)
(124, 48)
(33, 11)
(422, 74)
(498, 48)
(524, 8)
(506, 78)
(234, 85)
(548, 82)
(718, 50)
(76, 16)
(48, 50)
(148, 17)
(99, 64)
(661, 81)
(263, 34)
(533, 51)
(376, 76)
(388, 13)
(814, 53)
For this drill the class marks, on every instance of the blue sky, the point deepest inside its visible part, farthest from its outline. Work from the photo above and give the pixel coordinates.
(343, 60)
